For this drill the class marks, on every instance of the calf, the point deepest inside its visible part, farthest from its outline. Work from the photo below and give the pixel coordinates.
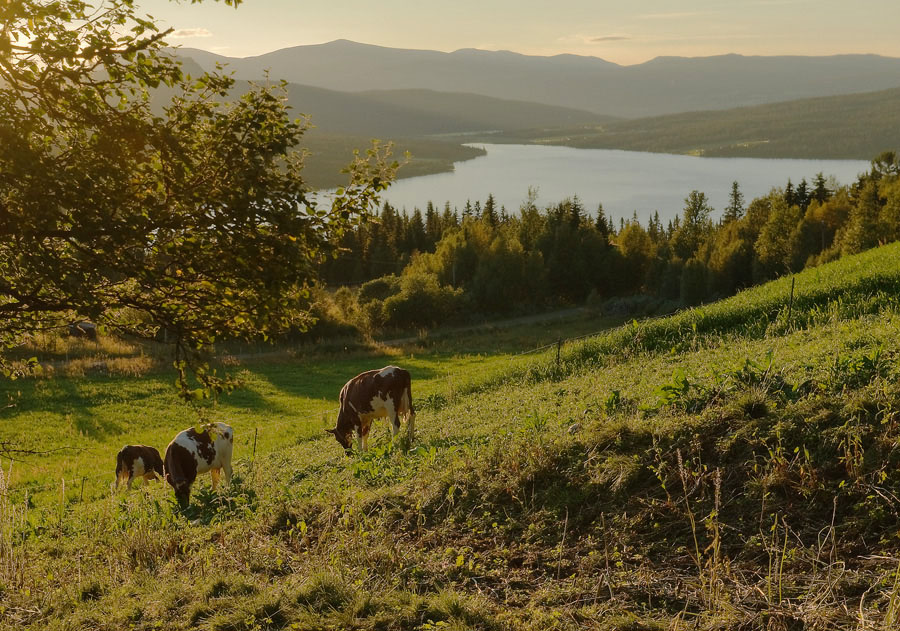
(369, 395)
(192, 452)
(138, 461)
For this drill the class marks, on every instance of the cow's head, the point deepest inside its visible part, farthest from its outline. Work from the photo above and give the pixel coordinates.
(182, 491)
(343, 430)
(343, 437)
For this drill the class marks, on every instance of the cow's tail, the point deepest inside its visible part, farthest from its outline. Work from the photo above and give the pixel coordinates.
(121, 470)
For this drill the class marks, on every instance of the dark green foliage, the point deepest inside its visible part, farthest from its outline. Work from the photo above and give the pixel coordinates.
(422, 301)
(693, 282)
(193, 219)
(559, 255)
(379, 289)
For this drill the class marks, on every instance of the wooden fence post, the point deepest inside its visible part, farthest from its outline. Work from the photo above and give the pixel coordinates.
(558, 349)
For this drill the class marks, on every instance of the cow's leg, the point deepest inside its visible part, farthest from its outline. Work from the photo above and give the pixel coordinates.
(228, 472)
(359, 440)
(411, 424)
(214, 474)
(395, 424)
(392, 416)
(130, 479)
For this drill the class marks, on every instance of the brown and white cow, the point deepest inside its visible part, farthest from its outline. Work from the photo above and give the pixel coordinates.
(192, 452)
(370, 395)
(138, 461)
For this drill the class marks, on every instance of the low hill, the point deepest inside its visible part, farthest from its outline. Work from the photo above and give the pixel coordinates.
(853, 126)
(407, 113)
(343, 121)
(664, 85)
(732, 466)
(329, 153)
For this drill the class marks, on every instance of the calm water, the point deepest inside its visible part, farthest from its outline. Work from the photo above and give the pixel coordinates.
(624, 181)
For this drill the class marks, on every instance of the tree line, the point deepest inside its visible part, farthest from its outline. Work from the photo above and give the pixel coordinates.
(424, 269)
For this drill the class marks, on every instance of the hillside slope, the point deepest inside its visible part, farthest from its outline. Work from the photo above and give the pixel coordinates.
(855, 126)
(730, 467)
(661, 86)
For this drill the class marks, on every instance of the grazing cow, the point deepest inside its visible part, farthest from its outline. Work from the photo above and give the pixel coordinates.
(138, 461)
(192, 452)
(367, 396)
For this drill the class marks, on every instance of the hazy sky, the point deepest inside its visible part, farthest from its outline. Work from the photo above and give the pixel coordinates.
(622, 31)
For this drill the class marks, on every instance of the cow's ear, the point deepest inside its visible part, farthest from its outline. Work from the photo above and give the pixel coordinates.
(331, 431)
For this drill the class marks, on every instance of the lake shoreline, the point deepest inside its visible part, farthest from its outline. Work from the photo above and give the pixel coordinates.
(624, 182)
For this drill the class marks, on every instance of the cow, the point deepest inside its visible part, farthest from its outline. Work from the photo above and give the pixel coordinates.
(138, 461)
(369, 395)
(192, 452)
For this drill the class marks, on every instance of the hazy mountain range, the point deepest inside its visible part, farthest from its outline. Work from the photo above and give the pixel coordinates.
(664, 85)
(416, 112)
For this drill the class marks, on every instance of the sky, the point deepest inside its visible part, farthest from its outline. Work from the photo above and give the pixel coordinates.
(622, 31)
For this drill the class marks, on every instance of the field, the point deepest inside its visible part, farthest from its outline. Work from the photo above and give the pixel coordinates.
(95, 397)
(733, 466)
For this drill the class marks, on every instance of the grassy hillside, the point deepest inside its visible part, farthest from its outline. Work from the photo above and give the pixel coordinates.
(856, 126)
(730, 467)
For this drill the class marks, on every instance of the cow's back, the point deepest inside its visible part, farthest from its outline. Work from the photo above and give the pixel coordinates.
(192, 452)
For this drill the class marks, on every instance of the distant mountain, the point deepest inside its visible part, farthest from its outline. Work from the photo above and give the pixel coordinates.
(390, 113)
(664, 85)
(343, 121)
(853, 126)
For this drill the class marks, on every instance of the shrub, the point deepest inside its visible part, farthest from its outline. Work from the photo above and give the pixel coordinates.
(379, 289)
(422, 301)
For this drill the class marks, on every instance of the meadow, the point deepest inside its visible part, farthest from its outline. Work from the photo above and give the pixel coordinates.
(733, 466)
(92, 397)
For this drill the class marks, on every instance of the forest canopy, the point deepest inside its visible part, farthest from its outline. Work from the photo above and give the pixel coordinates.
(485, 260)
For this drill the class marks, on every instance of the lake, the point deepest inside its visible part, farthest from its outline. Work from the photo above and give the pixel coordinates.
(623, 181)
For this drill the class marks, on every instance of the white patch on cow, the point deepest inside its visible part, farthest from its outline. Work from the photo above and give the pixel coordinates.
(222, 447)
(384, 407)
(138, 469)
(387, 371)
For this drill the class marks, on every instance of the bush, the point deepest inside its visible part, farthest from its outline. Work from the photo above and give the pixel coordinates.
(379, 289)
(422, 301)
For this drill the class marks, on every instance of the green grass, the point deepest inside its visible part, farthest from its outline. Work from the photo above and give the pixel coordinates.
(285, 396)
(729, 467)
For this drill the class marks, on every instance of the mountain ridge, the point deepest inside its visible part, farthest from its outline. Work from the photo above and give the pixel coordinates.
(663, 85)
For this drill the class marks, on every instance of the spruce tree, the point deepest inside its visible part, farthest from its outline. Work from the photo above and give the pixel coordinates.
(735, 208)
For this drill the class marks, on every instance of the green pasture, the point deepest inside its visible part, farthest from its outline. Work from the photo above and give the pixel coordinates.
(714, 469)
(285, 398)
